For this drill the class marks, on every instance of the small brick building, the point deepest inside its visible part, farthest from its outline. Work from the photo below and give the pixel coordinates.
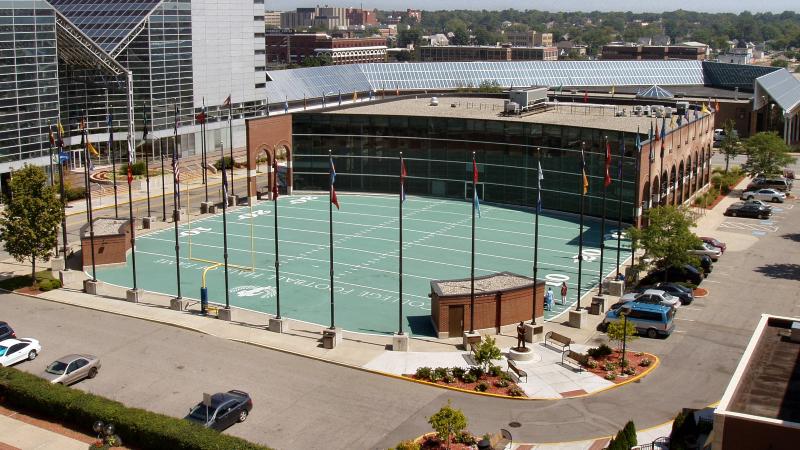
(501, 300)
(112, 241)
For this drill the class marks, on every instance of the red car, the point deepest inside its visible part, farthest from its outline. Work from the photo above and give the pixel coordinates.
(711, 241)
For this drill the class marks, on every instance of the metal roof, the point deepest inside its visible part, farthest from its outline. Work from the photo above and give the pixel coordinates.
(655, 91)
(782, 87)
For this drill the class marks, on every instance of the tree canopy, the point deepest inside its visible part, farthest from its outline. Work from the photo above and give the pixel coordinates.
(767, 153)
(667, 238)
(730, 145)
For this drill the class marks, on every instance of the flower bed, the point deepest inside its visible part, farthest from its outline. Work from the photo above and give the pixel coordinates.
(465, 441)
(495, 381)
(608, 365)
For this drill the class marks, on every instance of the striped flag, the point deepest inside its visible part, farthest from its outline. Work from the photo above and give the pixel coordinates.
(650, 138)
(475, 200)
(224, 183)
(607, 179)
(583, 173)
(275, 184)
(403, 175)
(130, 161)
(52, 138)
(663, 134)
(334, 199)
(540, 177)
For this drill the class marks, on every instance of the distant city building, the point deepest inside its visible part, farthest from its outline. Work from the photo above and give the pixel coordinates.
(330, 18)
(653, 52)
(272, 19)
(397, 16)
(438, 40)
(487, 53)
(528, 38)
(287, 48)
(362, 17)
(741, 54)
(569, 48)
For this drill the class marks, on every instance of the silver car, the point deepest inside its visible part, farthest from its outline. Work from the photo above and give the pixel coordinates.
(766, 194)
(653, 297)
(707, 250)
(71, 369)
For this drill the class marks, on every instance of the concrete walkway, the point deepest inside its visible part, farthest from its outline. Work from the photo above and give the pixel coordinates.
(31, 434)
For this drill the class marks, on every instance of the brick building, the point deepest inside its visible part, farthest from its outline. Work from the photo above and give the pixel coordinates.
(294, 48)
(653, 52)
(487, 53)
(528, 38)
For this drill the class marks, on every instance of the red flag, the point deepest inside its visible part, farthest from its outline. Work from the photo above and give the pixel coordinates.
(658, 138)
(607, 179)
(474, 172)
(275, 183)
(52, 139)
(334, 199)
(130, 174)
(403, 175)
(200, 117)
(585, 96)
(227, 102)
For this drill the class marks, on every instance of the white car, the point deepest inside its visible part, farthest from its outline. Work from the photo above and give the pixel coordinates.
(707, 250)
(13, 351)
(653, 297)
(767, 195)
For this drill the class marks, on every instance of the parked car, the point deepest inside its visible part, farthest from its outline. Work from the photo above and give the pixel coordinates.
(760, 203)
(748, 210)
(684, 293)
(707, 250)
(705, 264)
(13, 351)
(650, 320)
(6, 331)
(224, 410)
(779, 183)
(71, 369)
(715, 242)
(686, 274)
(766, 194)
(653, 297)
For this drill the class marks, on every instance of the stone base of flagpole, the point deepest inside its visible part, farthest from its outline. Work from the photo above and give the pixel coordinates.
(400, 342)
(147, 222)
(179, 215)
(134, 295)
(278, 325)
(471, 338)
(578, 319)
(331, 338)
(70, 277)
(225, 314)
(533, 333)
(231, 200)
(91, 287)
(205, 207)
(616, 288)
(57, 264)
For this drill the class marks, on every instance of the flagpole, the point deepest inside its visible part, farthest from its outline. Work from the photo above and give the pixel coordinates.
(580, 233)
(205, 152)
(175, 210)
(277, 261)
(63, 192)
(52, 177)
(536, 232)
(330, 237)
(603, 230)
(400, 252)
(163, 189)
(225, 229)
(619, 201)
(111, 152)
(89, 202)
(146, 160)
(472, 256)
(230, 132)
(130, 211)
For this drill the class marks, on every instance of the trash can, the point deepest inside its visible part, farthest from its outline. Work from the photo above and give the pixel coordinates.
(598, 306)
(203, 300)
(328, 338)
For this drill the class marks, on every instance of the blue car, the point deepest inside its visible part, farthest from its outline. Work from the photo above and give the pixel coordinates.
(650, 320)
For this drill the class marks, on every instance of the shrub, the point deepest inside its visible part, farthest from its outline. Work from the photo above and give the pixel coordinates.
(449, 379)
(458, 372)
(629, 431)
(435, 376)
(447, 422)
(638, 354)
(486, 352)
(645, 362)
(138, 168)
(592, 364)
(501, 383)
(408, 445)
(440, 372)
(611, 376)
(629, 371)
(482, 386)
(466, 438)
(423, 373)
(495, 371)
(477, 371)
(515, 391)
(608, 365)
(624, 363)
(469, 377)
(504, 376)
(228, 163)
(139, 428)
(598, 352)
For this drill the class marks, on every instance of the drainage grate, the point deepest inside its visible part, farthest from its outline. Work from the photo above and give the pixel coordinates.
(514, 424)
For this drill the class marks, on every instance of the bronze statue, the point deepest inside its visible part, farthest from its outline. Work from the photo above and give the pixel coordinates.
(521, 335)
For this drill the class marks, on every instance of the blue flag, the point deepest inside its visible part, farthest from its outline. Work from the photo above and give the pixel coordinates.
(540, 177)
(334, 199)
(475, 201)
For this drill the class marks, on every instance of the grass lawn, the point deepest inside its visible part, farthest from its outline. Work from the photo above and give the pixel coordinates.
(44, 278)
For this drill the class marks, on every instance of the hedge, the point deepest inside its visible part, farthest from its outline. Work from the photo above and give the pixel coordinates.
(137, 428)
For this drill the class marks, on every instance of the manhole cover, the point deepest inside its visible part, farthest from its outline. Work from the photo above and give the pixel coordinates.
(514, 424)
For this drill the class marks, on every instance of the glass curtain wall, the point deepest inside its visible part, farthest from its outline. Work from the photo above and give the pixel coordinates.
(438, 153)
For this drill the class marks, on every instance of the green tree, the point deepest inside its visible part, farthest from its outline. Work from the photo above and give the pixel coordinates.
(447, 422)
(460, 36)
(767, 153)
(630, 434)
(28, 224)
(410, 36)
(619, 335)
(730, 145)
(667, 238)
(490, 87)
(486, 352)
(779, 63)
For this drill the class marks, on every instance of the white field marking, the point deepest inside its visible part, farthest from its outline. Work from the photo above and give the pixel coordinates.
(712, 281)
(259, 269)
(748, 226)
(679, 331)
(685, 320)
(691, 308)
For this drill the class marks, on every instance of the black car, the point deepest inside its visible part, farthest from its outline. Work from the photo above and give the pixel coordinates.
(6, 332)
(682, 292)
(748, 210)
(223, 410)
(686, 274)
(706, 264)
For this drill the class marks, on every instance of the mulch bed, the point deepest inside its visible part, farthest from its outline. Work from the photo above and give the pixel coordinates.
(461, 384)
(699, 292)
(28, 290)
(431, 442)
(633, 358)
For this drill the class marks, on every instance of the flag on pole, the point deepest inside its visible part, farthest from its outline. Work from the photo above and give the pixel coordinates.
(91, 148)
(540, 177)
(638, 141)
(716, 105)
(607, 179)
(658, 136)
(583, 173)
(334, 199)
(52, 138)
(680, 119)
(559, 89)
(286, 106)
(650, 139)
(60, 134)
(613, 89)
(663, 135)
(403, 175)
(201, 116)
(475, 201)
(227, 102)
(705, 110)
(224, 183)
(275, 184)
(176, 168)
(673, 121)
(355, 97)
(585, 96)
(130, 162)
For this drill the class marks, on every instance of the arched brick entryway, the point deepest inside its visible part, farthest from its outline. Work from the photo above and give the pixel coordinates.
(269, 137)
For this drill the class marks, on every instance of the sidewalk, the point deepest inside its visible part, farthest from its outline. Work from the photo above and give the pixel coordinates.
(18, 431)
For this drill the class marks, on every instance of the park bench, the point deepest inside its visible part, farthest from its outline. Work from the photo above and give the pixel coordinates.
(512, 367)
(574, 358)
(499, 441)
(561, 341)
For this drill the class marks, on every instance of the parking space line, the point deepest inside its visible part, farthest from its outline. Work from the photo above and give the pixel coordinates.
(712, 281)
(691, 308)
(685, 320)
